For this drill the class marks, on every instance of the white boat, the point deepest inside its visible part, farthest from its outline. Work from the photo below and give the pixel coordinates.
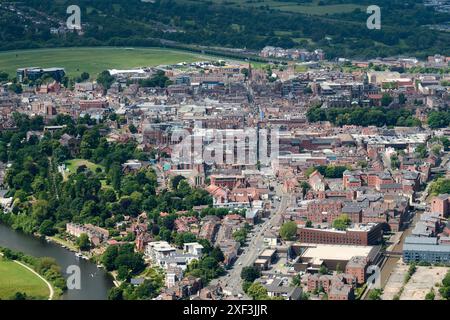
(85, 258)
(78, 254)
(99, 266)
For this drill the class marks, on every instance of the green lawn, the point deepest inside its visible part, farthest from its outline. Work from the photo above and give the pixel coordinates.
(93, 60)
(15, 278)
(73, 165)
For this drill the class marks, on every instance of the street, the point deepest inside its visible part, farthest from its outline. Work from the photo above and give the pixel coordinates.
(232, 282)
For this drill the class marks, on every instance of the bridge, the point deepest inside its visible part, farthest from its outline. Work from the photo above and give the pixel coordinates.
(393, 253)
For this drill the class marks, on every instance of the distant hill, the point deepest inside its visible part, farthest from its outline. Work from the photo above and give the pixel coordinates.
(337, 26)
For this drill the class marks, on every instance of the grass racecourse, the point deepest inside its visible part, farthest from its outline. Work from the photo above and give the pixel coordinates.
(93, 60)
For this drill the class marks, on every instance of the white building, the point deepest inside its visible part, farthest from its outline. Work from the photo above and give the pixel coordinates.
(193, 248)
(159, 250)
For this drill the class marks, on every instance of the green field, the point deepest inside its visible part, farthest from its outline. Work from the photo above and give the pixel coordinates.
(93, 60)
(308, 8)
(15, 278)
(73, 165)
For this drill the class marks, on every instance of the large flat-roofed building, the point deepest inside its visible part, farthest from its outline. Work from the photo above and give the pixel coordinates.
(360, 235)
(313, 256)
(421, 249)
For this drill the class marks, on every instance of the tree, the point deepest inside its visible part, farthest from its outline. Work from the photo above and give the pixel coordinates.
(16, 88)
(246, 285)
(297, 280)
(421, 150)
(323, 270)
(240, 236)
(132, 128)
(115, 294)
(257, 291)
(105, 79)
(436, 150)
(440, 186)
(250, 274)
(19, 296)
(438, 119)
(84, 76)
(3, 76)
(305, 187)
(176, 180)
(342, 222)
(375, 294)
(83, 242)
(386, 100)
(288, 231)
(147, 290)
(401, 99)
(395, 162)
(430, 295)
(46, 228)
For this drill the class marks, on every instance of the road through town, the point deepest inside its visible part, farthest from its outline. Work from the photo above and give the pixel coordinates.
(232, 282)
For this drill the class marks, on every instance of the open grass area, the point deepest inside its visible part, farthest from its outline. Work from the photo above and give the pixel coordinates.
(312, 8)
(73, 165)
(16, 278)
(93, 60)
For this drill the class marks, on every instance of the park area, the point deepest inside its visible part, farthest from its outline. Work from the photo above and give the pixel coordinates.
(73, 165)
(16, 278)
(93, 60)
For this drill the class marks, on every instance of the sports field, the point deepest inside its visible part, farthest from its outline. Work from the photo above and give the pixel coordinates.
(16, 278)
(93, 60)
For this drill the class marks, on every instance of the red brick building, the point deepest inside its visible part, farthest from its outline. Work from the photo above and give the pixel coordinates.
(361, 236)
(441, 205)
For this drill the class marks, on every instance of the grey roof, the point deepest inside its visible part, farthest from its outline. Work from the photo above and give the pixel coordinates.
(351, 208)
(420, 240)
(390, 186)
(427, 248)
(137, 281)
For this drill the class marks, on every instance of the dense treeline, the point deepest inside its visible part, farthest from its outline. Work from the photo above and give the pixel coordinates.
(439, 119)
(378, 116)
(137, 23)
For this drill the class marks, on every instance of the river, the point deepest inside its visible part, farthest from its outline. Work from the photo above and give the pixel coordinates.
(95, 282)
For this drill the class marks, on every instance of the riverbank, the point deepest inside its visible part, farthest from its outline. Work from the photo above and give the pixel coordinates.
(17, 277)
(95, 281)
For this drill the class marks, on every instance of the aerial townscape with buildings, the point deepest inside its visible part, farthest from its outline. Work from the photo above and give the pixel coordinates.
(273, 174)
